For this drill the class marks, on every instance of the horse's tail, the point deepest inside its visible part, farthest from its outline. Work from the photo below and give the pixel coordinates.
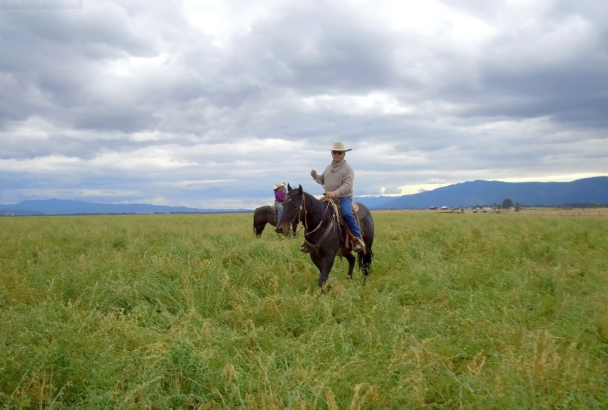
(256, 230)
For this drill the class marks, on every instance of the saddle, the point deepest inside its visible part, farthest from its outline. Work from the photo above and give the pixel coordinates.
(359, 213)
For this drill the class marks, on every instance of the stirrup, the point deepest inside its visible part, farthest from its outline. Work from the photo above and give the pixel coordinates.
(359, 245)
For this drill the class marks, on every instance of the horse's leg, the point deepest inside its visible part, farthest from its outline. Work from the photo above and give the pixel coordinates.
(317, 261)
(351, 263)
(328, 263)
(365, 261)
(320, 264)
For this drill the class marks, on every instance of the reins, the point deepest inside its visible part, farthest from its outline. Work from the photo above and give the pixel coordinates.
(306, 229)
(305, 223)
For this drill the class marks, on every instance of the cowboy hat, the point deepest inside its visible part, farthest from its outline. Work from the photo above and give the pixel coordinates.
(339, 146)
(278, 185)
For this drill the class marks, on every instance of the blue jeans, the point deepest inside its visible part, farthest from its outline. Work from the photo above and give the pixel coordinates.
(346, 205)
(279, 206)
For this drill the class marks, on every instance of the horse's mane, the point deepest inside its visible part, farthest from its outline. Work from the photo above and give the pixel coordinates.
(306, 195)
(316, 205)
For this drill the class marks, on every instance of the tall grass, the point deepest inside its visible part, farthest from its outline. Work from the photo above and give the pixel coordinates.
(191, 311)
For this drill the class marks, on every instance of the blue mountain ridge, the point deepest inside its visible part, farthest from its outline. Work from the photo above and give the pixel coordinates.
(481, 192)
(464, 194)
(71, 207)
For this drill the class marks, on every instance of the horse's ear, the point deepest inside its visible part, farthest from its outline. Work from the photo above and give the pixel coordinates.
(288, 187)
(300, 190)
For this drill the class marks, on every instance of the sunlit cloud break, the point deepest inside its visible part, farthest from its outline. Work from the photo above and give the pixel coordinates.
(207, 104)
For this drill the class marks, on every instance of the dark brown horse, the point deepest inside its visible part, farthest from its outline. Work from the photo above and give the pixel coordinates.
(323, 233)
(267, 215)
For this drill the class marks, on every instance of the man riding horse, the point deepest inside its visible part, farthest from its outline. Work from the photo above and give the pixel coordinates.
(338, 179)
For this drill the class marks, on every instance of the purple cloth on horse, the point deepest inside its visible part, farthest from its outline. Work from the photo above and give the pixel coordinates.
(279, 195)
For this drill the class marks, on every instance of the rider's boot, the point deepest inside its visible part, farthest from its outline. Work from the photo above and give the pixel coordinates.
(358, 244)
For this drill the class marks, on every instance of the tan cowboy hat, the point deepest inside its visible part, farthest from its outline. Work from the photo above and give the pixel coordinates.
(278, 185)
(339, 146)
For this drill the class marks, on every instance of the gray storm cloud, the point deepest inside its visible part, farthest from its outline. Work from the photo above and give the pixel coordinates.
(208, 105)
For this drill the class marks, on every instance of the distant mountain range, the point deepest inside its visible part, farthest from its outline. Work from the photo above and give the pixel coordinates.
(582, 191)
(466, 194)
(68, 207)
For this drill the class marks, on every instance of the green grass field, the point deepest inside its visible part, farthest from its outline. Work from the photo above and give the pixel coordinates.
(191, 311)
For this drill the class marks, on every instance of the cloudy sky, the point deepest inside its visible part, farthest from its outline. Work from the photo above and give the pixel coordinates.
(207, 103)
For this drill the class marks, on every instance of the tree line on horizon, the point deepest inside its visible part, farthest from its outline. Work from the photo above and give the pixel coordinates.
(508, 204)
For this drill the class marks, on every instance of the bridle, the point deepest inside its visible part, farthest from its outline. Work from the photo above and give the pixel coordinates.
(306, 228)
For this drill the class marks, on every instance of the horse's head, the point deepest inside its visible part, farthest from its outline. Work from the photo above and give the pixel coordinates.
(291, 209)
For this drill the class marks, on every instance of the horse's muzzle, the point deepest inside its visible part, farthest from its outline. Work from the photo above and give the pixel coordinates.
(282, 227)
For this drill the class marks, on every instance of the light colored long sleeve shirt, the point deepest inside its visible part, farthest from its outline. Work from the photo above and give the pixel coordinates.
(338, 178)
